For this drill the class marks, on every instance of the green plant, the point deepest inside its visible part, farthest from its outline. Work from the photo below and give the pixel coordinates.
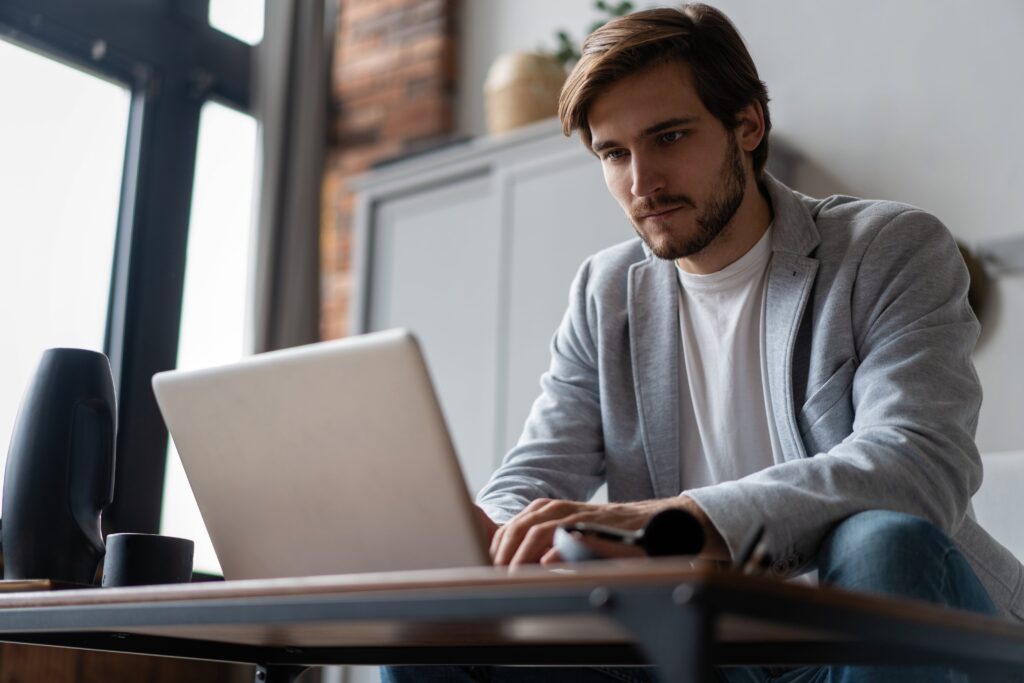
(568, 50)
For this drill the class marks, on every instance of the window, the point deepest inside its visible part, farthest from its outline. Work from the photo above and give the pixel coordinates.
(63, 134)
(217, 264)
(242, 19)
(108, 261)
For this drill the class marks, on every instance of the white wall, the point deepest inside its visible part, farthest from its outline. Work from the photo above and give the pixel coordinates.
(917, 100)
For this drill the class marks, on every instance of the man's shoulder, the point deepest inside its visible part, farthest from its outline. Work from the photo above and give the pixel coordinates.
(843, 226)
(865, 217)
(868, 240)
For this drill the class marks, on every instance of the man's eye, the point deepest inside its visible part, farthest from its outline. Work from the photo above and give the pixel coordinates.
(614, 155)
(672, 136)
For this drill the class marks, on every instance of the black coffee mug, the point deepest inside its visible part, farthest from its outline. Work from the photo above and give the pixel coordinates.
(145, 559)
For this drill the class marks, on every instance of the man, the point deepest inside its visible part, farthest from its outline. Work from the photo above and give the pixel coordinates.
(757, 357)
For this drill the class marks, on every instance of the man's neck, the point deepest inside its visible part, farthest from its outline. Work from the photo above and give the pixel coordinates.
(746, 228)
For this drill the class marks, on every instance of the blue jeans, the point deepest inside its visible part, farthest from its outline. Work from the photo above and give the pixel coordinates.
(872, 552)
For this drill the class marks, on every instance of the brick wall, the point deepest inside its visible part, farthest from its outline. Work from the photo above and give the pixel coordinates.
(394, 79)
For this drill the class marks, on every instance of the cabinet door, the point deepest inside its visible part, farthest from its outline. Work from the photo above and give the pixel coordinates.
(561, 213)
(434, 265)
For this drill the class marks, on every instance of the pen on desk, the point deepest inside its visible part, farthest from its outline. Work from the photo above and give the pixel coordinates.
(753, 556)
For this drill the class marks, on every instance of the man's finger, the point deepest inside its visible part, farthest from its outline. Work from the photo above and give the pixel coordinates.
(496, 540)
(535, 544)
(515, 531)
(551, 557)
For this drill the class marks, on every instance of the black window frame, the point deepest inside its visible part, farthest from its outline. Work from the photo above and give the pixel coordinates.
(172, 61)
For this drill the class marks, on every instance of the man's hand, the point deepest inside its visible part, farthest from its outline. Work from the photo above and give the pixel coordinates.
(527, 537)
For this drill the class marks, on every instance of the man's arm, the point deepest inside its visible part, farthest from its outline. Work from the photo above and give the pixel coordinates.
(561, 452)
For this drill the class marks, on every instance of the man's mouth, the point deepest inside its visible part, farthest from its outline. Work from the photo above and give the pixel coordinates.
(661, 213)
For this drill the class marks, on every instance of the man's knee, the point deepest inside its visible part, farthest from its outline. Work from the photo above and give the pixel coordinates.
(882, 551)
(898, 554)
(883, 531)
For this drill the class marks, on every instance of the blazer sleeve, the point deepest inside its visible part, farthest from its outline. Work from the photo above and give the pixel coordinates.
(560, 454)
(915, 398)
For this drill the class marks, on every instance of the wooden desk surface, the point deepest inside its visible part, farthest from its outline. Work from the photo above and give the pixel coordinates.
(654, 572)
(378, 591)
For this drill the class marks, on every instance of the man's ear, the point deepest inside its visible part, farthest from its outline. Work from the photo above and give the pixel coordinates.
(750, 126)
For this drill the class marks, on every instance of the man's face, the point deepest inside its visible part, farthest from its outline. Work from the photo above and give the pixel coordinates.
(675, 170)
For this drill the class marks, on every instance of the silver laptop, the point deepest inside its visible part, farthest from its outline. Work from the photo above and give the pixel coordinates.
(323, 459)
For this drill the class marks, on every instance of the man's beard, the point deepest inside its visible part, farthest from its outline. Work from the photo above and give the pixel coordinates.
(720, 209)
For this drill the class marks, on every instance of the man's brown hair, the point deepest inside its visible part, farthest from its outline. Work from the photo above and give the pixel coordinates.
(699, 35)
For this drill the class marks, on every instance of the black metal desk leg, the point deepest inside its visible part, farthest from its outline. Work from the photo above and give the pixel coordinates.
(278, 673)
(675, 632)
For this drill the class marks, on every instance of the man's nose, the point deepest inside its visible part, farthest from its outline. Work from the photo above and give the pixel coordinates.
(648, 178)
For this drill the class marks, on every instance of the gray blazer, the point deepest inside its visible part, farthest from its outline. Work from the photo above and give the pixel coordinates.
(875, 398)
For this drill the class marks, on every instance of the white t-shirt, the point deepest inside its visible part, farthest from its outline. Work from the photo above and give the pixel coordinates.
(727, 428)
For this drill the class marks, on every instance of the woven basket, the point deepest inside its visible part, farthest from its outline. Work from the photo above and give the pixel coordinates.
(522, 87)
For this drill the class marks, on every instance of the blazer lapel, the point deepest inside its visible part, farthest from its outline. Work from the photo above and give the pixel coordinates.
(789, 285)
(790, 280)
(654, 345)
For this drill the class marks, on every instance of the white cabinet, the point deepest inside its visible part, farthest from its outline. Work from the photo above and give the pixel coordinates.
(473, 248)
(434, 266)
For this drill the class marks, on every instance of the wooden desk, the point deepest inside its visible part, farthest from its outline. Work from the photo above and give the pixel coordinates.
(666, 612)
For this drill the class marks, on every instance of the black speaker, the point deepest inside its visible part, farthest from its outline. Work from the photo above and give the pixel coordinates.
(60, 469)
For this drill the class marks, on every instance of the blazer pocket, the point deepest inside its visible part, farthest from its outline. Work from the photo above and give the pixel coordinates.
(834, 393)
